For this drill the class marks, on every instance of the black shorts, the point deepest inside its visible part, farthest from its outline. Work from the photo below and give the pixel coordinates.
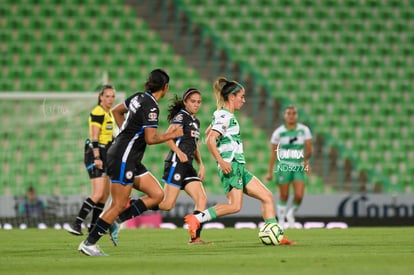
(124, 172)
(179, 174)
(89, 160)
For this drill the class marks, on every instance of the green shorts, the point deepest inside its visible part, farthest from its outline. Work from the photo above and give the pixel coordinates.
(288, 173)
(238, 178)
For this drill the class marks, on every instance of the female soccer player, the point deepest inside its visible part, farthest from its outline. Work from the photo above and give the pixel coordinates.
(225, 144)
(291, 147)
(124, 158)
(179, 172)
(101, 127)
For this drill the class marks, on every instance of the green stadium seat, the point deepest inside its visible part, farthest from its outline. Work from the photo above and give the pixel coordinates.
(342, 76)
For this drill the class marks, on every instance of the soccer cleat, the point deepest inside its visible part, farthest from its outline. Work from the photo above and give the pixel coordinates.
(75, 229)
(193, 225)
(113, 232)
(285, 241)
(91, 250)
(198, 241)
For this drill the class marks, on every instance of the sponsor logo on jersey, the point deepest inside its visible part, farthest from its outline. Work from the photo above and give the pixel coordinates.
(287, 155)
(134, 105)
(152, 116)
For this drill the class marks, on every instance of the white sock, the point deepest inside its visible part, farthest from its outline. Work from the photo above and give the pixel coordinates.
(204, 216)
(292, 210)
(281, 214)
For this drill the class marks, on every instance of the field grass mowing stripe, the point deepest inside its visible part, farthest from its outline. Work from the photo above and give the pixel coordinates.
(235, 251)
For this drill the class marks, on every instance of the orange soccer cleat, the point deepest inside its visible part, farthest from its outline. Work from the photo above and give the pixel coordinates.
(193, 225)
(285, 241)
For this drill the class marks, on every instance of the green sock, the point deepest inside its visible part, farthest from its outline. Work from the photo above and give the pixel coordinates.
(212, 213)
(207, 215)
(271, 220)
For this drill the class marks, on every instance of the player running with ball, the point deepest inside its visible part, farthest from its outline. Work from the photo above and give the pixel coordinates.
(225, 144)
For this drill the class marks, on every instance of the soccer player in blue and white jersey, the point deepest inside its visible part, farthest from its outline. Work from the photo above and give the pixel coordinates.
(125, 167)
(179, 171)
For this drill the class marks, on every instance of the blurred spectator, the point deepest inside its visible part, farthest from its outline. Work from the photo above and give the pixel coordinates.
(32, 206)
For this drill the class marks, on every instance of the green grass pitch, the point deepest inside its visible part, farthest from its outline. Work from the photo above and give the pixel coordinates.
(235, 251)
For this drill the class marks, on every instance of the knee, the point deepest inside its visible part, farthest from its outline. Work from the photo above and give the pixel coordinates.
(118, 206)
(167, 206)
(268, 198)
(157, 195)
(233, 208)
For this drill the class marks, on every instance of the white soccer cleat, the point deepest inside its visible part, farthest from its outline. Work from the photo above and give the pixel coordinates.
(91, 250)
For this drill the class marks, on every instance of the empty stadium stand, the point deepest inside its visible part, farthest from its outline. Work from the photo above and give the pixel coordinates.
(347, 65)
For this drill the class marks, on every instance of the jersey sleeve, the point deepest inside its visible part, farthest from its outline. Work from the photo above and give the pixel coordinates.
(308, 134)
(220, 122)
(128, 101)
(178, 119)
(150, 118)
(97, 116)
(275, 138)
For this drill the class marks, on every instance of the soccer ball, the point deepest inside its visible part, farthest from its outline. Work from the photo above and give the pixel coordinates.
(271, 234)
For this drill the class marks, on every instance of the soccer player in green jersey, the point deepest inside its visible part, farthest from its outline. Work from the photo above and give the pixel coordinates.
(225, 144)
(291, 149)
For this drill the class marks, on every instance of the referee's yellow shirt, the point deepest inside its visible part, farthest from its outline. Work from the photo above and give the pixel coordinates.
(105, 121)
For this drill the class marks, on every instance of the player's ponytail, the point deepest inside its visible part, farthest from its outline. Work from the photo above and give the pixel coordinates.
(223, 88)
(174, 108)
(218, 87)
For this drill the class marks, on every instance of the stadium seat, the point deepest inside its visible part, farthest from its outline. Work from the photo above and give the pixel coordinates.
(341, 70)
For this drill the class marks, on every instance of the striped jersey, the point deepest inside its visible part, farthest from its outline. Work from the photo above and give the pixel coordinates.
(291, 143)
(230, 143)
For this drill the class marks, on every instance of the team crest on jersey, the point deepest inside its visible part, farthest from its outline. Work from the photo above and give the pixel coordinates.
(129, 175)
(177, 177)
(152, 117)
(179, 118)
